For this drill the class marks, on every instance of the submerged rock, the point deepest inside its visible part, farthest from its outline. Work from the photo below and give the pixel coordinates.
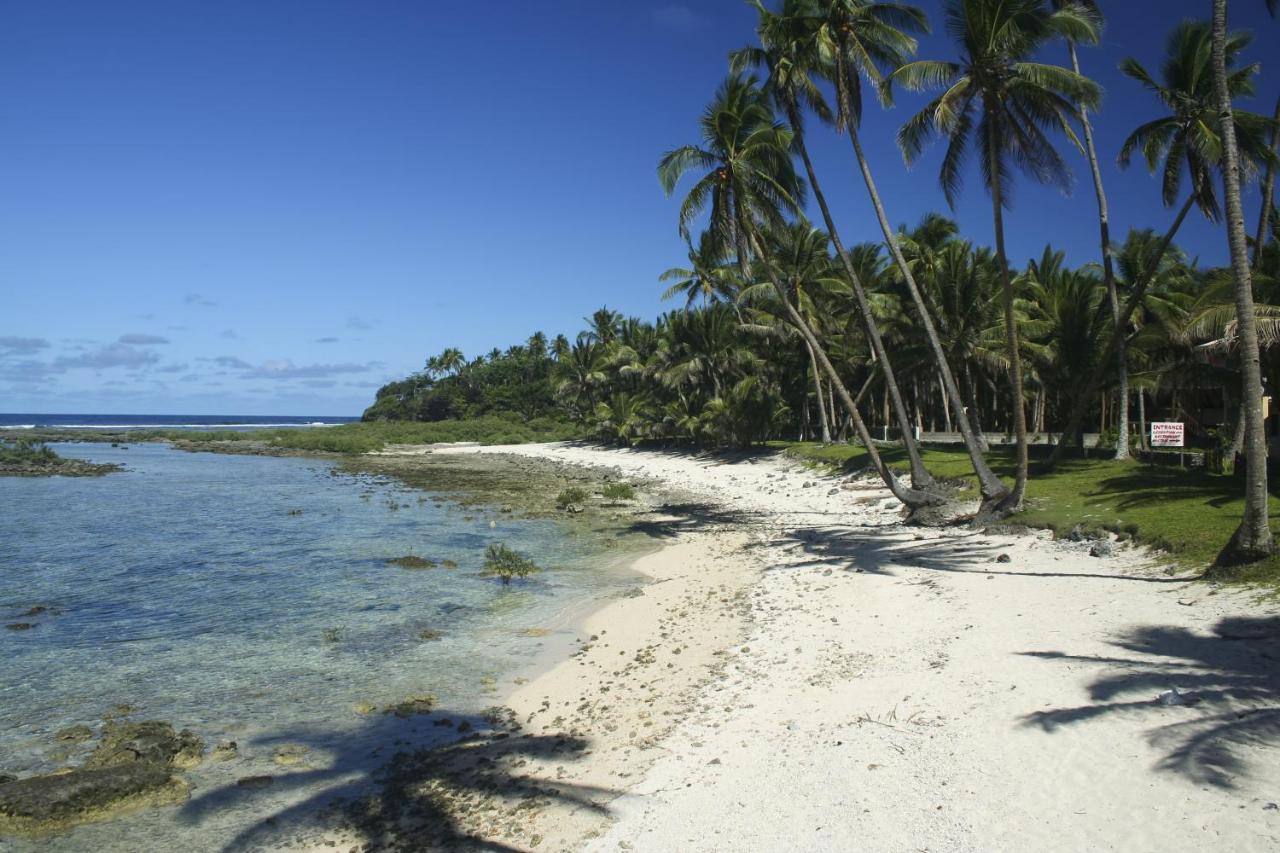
(75, 734)
(290, 754)
(413, 705)
(148, 742)
(411, 561)
(42, 805)
(225, 751)
(255, 781)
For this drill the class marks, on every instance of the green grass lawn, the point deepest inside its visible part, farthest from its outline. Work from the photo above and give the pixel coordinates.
(1190, 514)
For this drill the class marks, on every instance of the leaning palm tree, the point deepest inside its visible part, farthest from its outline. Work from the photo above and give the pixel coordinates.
(996, 97)
(790, 53)
(1183, 144)
(1252, 540)
(1090, 8)
(1267, 208)
(749, 182)
(863, 40)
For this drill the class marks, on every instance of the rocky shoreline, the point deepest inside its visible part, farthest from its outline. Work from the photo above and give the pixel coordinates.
(133, 766)
(89, 788)
(61, 467)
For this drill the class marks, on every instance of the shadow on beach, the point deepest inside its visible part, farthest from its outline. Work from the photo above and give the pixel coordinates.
(881, 550)
(459, 793)
(1226, 716)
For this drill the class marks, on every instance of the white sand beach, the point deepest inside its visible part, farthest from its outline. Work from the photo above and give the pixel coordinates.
(806, 673)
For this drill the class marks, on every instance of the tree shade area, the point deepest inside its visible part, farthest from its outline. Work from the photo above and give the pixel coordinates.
(790, 332)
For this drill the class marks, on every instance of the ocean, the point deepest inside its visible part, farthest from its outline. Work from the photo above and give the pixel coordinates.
(237, 422)
(250, 599)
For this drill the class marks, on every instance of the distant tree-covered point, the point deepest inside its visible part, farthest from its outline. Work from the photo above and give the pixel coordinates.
(517, 381)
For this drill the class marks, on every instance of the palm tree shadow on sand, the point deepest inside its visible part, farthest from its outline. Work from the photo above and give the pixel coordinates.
(453, 794)
(1229, 681)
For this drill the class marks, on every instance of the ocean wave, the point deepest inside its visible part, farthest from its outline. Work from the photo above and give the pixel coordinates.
(172, 426)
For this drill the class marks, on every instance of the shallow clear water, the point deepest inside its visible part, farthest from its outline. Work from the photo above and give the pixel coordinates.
(249, 599)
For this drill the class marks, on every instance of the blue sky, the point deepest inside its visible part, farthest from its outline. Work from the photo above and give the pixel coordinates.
(273, 208)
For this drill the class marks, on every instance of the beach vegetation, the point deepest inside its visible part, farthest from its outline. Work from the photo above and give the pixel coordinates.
(27, 453)
(502, 562)
(571, 497)
(367, 437)
(618, 492)
(31, 458)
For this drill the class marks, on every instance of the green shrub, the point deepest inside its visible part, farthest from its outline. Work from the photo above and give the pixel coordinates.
(572, 496)
(619, 492)
(502, 562)
(24, 452)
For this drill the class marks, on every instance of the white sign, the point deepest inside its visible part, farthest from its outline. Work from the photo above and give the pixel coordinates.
(1166, 434)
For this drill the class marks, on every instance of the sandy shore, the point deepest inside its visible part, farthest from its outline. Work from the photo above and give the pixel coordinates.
(804, 673)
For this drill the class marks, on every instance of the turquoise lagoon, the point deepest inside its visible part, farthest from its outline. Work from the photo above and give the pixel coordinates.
(249, 599)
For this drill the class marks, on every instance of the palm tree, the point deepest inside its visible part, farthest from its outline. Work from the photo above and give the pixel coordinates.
(580, 377)
(995, 96)
(447, 363)
(1252, 540)
(959, 286)
(707, 276)
(1069, 325)
(804, 266)
(791, 54)
(1185, 142)
(1268, 192)
(603, 325)
(1090, 8)
(750, 182)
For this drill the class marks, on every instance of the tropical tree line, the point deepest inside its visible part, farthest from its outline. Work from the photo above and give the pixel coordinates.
(1004, 101)
(791, 329)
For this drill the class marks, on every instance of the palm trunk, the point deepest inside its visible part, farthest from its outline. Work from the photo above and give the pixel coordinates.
(831, 406)
(1082, 401)
(1268, 195)
(912, 498)
(992, 489)
(946, 407)
(1013, 502)
(1108, 273)
(975, 410)
(1142, 418)
(817, 387)
(920, 476)
(1252, 540)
